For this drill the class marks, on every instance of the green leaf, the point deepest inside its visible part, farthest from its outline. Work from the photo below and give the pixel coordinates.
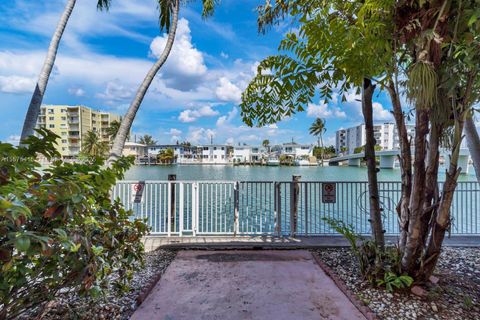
(22, 243)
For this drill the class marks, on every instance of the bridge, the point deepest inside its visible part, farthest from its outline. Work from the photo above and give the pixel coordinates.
(387, 158)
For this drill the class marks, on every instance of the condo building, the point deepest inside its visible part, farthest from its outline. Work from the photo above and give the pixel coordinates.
(385, 134)
(71, 123)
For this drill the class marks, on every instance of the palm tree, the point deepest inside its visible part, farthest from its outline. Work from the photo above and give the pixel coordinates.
(318, 129)
(37, 96)
(168, 19)
(147, 140)
(112, 130)
(93, 146)
(473, 143)
(266, 144)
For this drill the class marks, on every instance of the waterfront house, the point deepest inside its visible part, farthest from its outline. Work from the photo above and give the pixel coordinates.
(137, 150)
(213, 154)
(294, 150)
(249, 153)
(182, 153)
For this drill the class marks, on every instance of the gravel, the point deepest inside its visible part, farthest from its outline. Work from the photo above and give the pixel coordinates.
(455, 296)
(113, 306)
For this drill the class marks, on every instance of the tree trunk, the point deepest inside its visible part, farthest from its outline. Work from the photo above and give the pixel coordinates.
(322, 155)
(442, 221)
(375, 211)
(413, 247)
(127, 120)
(405, 161)
(473, 143)
(37, 97)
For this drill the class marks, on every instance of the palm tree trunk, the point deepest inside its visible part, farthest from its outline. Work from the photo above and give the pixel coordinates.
(127, 120)
(37, 97)
(473, 143)
(375, 212)
(321, 149)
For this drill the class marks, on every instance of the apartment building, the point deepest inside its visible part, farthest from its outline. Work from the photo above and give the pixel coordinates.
(181, 153)
(385, 134)
(71, 123)
(294, 150)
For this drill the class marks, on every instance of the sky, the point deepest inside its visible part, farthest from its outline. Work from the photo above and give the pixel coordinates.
(104, 56)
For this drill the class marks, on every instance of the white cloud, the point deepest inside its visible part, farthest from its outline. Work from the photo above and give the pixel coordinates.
(77, 92)
(13, 139)
(17, 84)
(191, 115)
(200, 135)
(185, 64)
(116, 91)
(322, 110)
(175, 132)
(224, 55)
(227, 91)
(379, 113)
(227, 119)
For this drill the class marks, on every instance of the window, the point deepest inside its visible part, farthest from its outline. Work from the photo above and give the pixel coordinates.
(215, 156)
(50, 111)
(205, 148)
(63, 110)
(51, 126)
(214, 148)
(64, 133)
(51, 118)
(64, 141)
(64, 118)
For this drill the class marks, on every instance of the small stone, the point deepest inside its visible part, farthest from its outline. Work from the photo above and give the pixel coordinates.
(434, 307)
(433, 279)
(419, 291)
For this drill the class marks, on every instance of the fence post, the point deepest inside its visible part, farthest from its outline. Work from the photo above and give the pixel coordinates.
(194, 208)
(236, 200)
(181, 209)
(172, 202)
(294, 193)
(278, 209)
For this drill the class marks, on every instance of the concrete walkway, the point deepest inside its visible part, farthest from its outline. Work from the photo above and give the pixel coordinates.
(246, 285)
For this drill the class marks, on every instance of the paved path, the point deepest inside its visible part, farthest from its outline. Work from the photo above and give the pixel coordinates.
(246, 285)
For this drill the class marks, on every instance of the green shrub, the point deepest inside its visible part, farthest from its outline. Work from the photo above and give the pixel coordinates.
(381, 268)
(59, 229)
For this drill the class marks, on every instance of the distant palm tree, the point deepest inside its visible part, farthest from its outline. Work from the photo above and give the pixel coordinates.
(166, 156)
(147, 140)
(112, 130)
(93, 146)
(266, 144)
(168, 19)
(318, 129)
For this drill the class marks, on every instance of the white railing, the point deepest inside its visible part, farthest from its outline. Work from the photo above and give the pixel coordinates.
(193, 208)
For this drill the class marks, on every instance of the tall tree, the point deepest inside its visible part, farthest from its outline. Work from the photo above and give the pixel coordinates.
(93, 146)
(37, 97)
(431, 46)
(318, 129)
(147, 140)
(169, 10)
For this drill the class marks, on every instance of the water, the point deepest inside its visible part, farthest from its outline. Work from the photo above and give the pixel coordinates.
(259, 173)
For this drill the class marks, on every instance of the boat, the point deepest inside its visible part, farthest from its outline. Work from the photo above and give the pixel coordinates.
(311, 161)
(273, 162)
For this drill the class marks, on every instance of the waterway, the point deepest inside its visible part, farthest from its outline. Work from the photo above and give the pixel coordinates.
(260, 173)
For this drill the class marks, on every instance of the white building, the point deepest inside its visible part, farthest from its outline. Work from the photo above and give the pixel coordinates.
(249, 153)
(213, 154)
(137, 150)
(385, 134)
(182, 153)
(294, 150)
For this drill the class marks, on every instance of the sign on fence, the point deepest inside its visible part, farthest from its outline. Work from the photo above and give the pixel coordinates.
(329, 192)
(137, 191)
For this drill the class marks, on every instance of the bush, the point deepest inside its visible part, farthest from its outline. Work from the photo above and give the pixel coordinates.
(380, 268)
(59, 229)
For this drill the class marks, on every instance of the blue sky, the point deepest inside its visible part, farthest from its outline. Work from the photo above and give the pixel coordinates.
(104, 56)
